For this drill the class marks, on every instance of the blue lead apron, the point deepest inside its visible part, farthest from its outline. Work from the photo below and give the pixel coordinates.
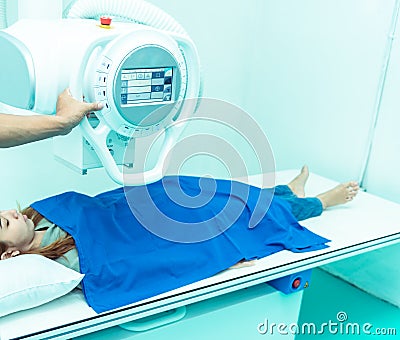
(125, 262)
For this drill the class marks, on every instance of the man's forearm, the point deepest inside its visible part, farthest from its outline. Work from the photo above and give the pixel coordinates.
(16, 130)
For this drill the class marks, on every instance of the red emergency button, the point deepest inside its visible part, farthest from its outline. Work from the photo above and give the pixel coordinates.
(105, 21)
(296, 283)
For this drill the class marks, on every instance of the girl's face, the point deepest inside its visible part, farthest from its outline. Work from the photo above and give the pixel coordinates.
(16, 230)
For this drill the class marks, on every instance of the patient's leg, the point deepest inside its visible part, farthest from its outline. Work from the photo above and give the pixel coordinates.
(307, 207)
(340, 194)
(298, 183)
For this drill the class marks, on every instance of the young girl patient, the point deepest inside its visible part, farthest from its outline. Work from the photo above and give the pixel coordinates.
(102, 236)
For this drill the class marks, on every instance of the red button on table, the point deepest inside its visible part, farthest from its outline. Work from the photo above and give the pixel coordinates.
(296, 283)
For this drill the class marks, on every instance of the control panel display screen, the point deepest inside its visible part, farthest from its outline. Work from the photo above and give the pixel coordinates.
(146, 85)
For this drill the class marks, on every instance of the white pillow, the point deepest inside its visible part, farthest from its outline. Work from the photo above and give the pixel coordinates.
(31, 280)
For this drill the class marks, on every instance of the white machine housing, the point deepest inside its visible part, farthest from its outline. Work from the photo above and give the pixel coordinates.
(142, 76)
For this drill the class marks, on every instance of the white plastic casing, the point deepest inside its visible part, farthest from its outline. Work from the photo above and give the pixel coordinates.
(88, 58)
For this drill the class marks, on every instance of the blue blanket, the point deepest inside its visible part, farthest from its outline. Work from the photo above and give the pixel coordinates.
(128, 251)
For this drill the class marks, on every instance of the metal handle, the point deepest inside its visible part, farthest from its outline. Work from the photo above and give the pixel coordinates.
(142, 326)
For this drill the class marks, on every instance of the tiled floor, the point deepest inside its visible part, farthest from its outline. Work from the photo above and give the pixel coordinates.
(329, 299)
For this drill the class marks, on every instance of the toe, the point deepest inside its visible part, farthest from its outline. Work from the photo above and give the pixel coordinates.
(351, 191)
(354, 184)
(351, 194)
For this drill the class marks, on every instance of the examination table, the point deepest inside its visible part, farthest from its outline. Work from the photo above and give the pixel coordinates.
(234, 304)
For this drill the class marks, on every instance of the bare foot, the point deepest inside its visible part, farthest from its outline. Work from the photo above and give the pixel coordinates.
(340, 194)
(298, 183)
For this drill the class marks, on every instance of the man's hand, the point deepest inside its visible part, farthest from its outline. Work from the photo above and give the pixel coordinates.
(16, 130)
(71, 111)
